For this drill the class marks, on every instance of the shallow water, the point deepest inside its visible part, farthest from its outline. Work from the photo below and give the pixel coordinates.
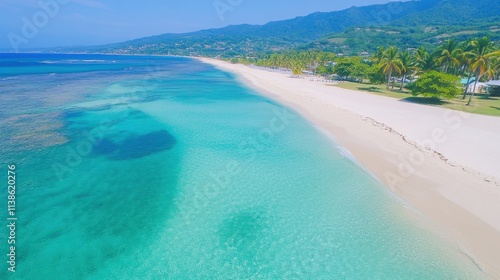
(166, 168)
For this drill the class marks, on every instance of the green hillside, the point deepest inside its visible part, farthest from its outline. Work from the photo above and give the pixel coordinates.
(366, 39)
(357, 29)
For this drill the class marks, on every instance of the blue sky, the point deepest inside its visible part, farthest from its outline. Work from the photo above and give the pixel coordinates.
(92, 22)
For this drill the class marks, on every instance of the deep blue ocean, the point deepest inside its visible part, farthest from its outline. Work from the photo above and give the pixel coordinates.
(136, 167)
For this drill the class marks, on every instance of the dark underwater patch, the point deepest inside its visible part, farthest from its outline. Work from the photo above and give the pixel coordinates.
(105, 147)
(73, 113)
(134, 146)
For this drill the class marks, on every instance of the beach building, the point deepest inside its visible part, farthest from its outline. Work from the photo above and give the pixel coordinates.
(480, 87)
(470, 84)
(494, 87)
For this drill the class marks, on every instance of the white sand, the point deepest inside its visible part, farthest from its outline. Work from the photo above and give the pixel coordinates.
(456, 186)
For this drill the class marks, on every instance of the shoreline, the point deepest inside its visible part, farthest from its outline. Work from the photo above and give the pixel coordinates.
(438, 161)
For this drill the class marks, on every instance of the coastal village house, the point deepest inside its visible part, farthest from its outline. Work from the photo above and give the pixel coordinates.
(494, 87)
(470, 84)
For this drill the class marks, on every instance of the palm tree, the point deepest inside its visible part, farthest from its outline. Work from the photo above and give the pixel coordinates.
(274, 60)
(390, 64)
(286, 61)
(424, 61)
(407, 64)
(378, 55)
(297, 69)
(496, 65)
(421, 54)
(446, 54)
(482, 58)
(464, 56)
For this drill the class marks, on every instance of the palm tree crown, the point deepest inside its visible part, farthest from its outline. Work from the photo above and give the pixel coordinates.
(407, 64)
(390, 64)
(481, 60)
(447, 54)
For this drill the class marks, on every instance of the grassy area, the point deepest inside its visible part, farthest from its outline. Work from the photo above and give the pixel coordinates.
(481, 103)
(376, 89)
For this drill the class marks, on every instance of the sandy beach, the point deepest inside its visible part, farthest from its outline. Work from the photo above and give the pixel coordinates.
(444, 164)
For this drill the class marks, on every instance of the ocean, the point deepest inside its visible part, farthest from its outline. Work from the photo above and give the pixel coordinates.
(141, 167)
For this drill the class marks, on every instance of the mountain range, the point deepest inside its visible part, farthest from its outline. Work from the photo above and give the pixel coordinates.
(357, 29)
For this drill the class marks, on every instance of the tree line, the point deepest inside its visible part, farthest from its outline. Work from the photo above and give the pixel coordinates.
(477, 59)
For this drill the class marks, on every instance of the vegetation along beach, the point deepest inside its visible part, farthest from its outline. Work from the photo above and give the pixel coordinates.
(250, 139)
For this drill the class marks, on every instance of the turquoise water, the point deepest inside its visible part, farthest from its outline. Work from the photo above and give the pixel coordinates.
(166, 168)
